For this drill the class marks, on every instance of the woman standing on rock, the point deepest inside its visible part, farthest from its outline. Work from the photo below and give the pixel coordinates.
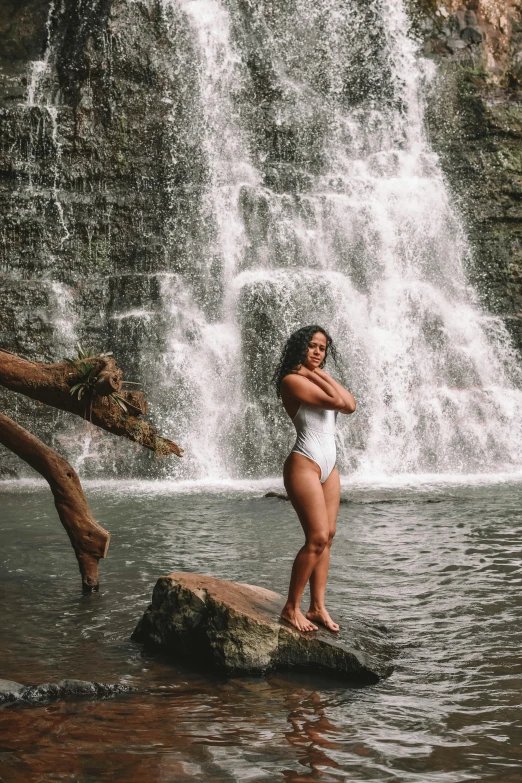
(312, 399)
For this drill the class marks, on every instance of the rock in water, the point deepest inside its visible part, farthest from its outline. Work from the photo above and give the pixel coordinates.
(237, 628)
(11, 691)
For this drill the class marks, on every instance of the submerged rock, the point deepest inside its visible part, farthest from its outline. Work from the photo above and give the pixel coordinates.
(237, 628)
(278, 495)
(11, 691)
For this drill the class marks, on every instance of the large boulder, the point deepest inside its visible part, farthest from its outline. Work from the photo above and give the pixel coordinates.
(237, 628)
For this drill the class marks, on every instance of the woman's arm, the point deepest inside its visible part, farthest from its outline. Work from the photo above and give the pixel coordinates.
(349, 399)
(306, 386)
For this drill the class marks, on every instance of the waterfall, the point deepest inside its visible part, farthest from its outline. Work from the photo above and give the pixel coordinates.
(202, 339)
(42, 94)
(342, 218)
(302, 189)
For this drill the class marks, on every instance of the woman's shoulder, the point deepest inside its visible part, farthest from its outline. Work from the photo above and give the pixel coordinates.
(285, 387)
(292, 381)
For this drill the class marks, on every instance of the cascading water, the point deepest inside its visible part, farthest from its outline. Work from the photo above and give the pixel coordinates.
(347, 223)
(41, 93)
(310, 194)
(202, 340)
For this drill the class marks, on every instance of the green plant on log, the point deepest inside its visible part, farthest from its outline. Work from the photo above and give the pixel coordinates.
(85, 365)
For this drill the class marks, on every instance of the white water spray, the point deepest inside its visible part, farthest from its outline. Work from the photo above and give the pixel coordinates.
(40, 93)
(370, 247)
(202, 340)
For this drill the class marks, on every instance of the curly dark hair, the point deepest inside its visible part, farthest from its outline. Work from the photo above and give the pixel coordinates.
(295, 351)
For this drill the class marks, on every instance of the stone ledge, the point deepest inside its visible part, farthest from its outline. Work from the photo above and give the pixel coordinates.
(237, 628)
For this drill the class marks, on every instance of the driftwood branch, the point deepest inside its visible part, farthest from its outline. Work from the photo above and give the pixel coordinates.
(89, 541)
(52, 383)
(90, 387)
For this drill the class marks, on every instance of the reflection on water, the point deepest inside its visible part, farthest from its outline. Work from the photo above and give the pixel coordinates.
(445, 576)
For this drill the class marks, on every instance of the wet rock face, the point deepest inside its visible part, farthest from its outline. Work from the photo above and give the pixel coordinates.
(22, 31)
(237, 628)
(11, 691)
(454, 25)
(475, 123)
(88, 186)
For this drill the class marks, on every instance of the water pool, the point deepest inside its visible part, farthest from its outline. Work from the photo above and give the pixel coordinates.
(439, 564)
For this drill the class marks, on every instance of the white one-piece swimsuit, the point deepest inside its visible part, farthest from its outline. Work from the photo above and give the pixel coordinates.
(315, 429)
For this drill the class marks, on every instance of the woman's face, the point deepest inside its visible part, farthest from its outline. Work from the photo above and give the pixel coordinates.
(316, 351)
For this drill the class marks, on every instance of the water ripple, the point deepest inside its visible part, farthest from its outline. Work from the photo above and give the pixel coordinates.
(444, 577)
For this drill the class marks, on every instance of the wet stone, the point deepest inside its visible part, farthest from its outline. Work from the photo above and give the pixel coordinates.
(237, 628)
(471, 36)
(11, 691)
(455, 44)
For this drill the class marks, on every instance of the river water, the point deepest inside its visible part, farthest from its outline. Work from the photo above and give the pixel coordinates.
(439, 563)
(303, 188)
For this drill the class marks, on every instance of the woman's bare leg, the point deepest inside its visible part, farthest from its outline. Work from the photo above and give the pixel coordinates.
(317, 612)
(301, 477)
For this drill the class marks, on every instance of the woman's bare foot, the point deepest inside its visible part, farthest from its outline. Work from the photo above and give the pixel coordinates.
(296, 618)
(322, 616)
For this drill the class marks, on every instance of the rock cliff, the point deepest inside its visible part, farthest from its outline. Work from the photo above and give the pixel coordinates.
(87, 134)
(475, 123)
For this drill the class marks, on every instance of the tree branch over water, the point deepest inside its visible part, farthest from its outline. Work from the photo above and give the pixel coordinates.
(89, 540)
(52, 384)
(90, 387)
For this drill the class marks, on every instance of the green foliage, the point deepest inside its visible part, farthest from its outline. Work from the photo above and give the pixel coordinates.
(85, 368)
(118, 399)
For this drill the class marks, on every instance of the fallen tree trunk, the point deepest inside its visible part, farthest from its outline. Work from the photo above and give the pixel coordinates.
(89, 540)
(52, 384)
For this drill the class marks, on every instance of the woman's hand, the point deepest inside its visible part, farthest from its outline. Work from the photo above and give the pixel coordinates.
(349, 401)
(322, 373)
(323, 392)
(304, 371)
(311, 375)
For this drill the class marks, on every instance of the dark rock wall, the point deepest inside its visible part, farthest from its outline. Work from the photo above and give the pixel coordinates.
(474, 121)
(90, 198)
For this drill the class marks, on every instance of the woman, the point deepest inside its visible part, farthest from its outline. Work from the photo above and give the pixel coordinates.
(312, 399)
